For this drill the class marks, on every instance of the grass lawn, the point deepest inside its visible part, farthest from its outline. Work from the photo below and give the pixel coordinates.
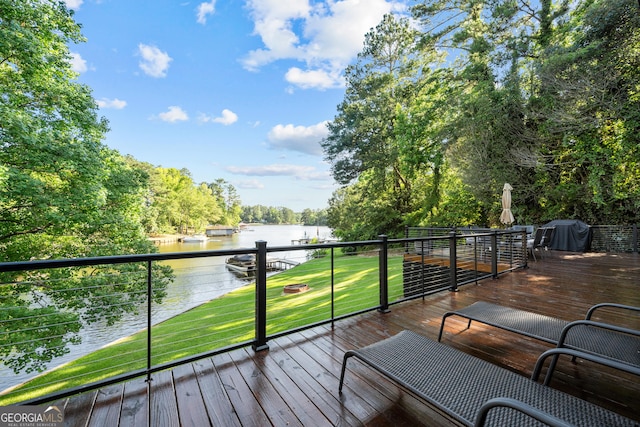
(230, 319)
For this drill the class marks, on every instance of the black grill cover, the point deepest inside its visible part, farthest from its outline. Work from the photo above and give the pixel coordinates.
(570, 235)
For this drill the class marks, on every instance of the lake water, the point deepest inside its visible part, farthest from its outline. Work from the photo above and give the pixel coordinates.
(197, 281)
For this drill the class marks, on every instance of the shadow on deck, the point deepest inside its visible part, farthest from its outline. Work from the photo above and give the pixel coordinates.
(295, 382)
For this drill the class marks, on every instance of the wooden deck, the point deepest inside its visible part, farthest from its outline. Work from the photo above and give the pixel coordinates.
(295, 382)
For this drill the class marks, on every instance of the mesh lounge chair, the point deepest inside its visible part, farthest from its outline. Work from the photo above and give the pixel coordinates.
(474, 391)
(608, 345)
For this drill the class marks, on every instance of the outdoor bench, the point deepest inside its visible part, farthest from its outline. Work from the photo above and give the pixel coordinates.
(602, 343)
(473, 391)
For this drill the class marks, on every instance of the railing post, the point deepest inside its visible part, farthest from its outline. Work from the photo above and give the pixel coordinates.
(384, 275)
(634, 233)
(333, 289)
(261, 297)
(494, 253)
(453, 265)
(149, 300)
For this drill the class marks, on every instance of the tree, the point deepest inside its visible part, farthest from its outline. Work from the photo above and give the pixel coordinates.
(491, 129)
(251, 214)
(229, 201)
(590, 132)
(49, 132)
(63, 194)
(362, 145)
(354, 216)
(183, 206)
(314, 217)
(540, 94)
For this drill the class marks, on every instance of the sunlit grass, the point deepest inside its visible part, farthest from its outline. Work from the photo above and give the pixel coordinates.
(230, 319)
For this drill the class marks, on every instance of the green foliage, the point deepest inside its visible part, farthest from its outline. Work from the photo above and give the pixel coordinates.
(457, 206)
(63, 194)
(353, 216)
(269, 215)
(177, 205)
(50, 134)
(540, 94)
(592, 113)
(229, 201)
(314, 217)
(362, 144)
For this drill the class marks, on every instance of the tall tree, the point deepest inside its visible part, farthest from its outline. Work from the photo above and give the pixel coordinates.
(494, 45)
(49, 130)
(63, 194)
(588, 162)
(183, 206)
(228, 200)
(362, 144)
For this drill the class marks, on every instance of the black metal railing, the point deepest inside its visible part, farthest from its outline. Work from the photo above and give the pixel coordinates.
(419, 266)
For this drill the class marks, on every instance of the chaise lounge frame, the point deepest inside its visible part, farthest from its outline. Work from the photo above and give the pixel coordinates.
(473, 391)
(602, 343)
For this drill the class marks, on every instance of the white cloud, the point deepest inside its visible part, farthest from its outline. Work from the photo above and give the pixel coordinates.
(73, 4)
(116, 104)
(78, 64)
(303, 139)
(155, 62)
(306, 173)
(205, 9)
(310, 79)
(250, 184)
(326, 37)
(338, 35)
(227, 118)
(175, 114)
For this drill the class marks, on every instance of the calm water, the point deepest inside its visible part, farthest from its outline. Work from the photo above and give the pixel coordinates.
(197, 280)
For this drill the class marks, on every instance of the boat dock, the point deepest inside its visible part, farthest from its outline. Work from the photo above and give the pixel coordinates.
(311, 241)
(278, 264)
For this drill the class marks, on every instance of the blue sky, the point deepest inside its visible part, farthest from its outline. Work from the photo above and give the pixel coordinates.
(238, 90)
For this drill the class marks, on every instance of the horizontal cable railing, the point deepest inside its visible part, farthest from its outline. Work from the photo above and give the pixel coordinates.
(97, 321)
(614, 238)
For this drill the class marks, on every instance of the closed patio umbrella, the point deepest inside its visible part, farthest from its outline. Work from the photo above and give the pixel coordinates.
(506, 217)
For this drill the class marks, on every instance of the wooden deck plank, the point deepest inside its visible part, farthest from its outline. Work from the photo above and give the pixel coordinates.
(135, 404)
(192, 411)
(406, 409)
(273, 366)
(249, 410)
(273, 404)
(327, 373)
(164, 407)
(296, 381)
(368, 382)
(107, 406)
(214, 396)
(305, 377)
(77, 409)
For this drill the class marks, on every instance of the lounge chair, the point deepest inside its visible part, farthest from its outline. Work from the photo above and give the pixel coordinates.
(473, 391)
(609, 345)
(602, 343)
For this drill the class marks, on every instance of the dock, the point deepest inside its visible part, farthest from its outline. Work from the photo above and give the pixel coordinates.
(311, 241)
(279, 264)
